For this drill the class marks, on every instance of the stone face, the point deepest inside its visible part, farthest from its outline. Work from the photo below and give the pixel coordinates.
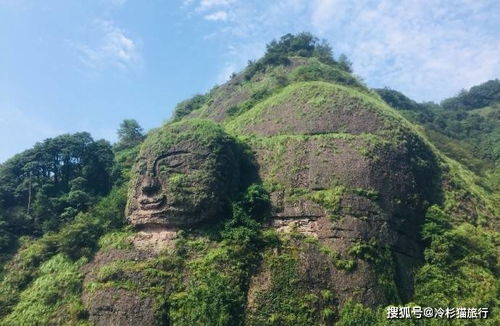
(179, 180)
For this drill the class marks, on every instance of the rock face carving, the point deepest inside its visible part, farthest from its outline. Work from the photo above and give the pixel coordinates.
(183, 176)
(351, 182)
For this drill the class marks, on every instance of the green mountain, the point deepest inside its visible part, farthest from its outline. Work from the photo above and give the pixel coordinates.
(290, 195)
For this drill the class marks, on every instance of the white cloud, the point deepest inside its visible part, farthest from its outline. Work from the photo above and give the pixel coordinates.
(427, 49)
(218, 15)
(325, 12)
(112, 48)
(209, 4)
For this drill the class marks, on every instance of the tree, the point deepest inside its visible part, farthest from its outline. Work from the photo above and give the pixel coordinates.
(50, 183)
(397, 99)
(324, 53)
(130, 134)
(477, 97)
(345, 63)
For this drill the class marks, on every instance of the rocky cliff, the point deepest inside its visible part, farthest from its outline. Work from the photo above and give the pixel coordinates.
(290, 195)
(348, 180)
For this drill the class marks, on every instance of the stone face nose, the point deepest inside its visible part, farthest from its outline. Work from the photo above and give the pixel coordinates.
(150, 185)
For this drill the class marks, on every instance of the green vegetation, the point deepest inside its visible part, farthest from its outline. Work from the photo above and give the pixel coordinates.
(465, 256)
(329, 199)
(116, 240)
(344, 264)
(315, 70)
(185, 107)
(53, 297)
(465, 127)
(63, 201)
(477, 97)
(76, 240)
(47, 186)
(206, 276)
(239, 95)
(69, 180)
(302, 45)
(203, 132)
(381, 258)
(460, 270)
(355, 314)
(218, 278)
(130, 134)
(308, 100)
(213, 295)
(256, 96)
(286, 300)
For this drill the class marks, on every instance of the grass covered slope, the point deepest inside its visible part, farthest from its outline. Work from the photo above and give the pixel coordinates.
(245, 89)
(354, 207)
(384, 205)
(296, 127)
(311, 108)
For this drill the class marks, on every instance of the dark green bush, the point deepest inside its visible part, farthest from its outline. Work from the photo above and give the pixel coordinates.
(185, 107)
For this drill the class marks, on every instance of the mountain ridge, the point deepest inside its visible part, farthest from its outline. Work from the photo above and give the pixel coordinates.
(346, 203)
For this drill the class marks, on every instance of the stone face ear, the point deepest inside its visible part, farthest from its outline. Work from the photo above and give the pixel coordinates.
(184, 175)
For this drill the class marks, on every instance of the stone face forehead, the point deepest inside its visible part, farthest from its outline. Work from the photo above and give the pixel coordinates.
(198, 137)
(173, 158)
(191, 134)
(179, 149)
(191, 140)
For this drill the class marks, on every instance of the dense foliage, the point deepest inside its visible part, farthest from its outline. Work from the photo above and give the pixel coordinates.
(477, 97)
(278, 52)
(187, 106)
(78, 193)
(465, 127)
(217, 280)
(28, 278)
(64, 199)
(48, 185)
(130, 134)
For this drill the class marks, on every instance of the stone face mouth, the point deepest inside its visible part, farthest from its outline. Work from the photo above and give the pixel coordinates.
(152, 203)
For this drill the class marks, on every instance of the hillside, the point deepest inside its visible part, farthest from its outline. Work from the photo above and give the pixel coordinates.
(290, 195)
(465, 127)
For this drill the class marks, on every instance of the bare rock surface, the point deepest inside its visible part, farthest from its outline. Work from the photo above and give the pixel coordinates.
(111, 305)
(155, 239)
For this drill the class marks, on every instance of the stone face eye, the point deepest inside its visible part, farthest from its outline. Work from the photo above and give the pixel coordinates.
(175, 162)
(169, 163)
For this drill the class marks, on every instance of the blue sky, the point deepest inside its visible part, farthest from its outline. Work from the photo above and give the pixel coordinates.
(72, 65)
